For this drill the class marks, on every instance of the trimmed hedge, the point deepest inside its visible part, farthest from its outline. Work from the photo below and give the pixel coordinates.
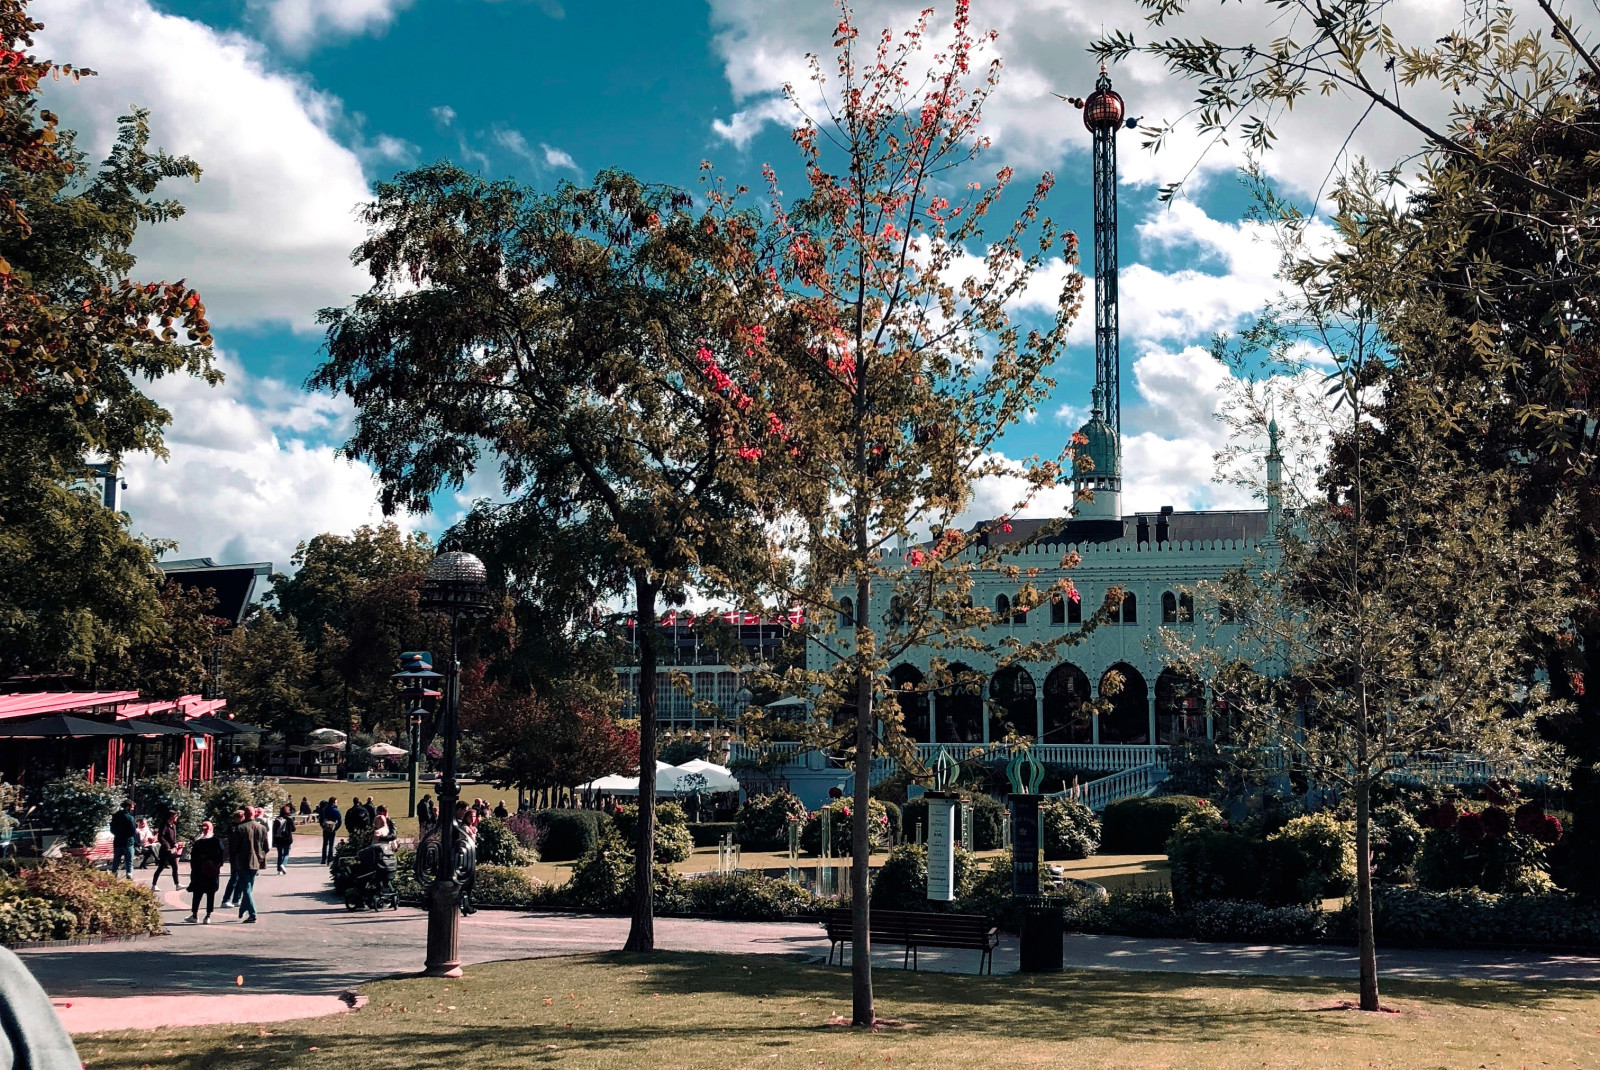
(569, 834)
(56, 899)
(1410, 917)
(1141, 826)
(710, 833)
(988, 821)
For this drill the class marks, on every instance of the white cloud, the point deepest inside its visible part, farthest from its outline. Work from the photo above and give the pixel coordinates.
(269, 228)
(241, 485)
(1043, 43)
(554, 157)
(300, 24)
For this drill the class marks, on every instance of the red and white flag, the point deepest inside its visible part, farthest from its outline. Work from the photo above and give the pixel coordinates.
(670, 619)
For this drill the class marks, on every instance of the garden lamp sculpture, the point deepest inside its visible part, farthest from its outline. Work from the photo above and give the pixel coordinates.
(413, 695)
(456, 585)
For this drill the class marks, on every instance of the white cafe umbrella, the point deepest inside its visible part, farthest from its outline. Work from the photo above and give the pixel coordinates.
(717, 777)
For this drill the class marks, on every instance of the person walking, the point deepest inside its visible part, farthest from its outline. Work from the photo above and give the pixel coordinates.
(123, 834)
(331, 820)
(247, 853)
(355, 818)
(427, 811)
(467, 851)
(283, 834)
(205, 871)
(167, 851)
(500, 810)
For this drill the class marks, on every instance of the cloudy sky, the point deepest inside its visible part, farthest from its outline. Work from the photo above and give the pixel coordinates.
(294, 107)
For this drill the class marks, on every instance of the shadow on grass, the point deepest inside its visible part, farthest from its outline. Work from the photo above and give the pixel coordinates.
(639, 1010)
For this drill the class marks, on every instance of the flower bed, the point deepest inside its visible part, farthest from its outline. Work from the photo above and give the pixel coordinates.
(66, 899)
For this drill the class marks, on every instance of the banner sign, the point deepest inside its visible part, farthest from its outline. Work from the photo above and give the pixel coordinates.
(942, 848)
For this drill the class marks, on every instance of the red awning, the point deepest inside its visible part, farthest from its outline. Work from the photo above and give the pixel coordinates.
(43, 702)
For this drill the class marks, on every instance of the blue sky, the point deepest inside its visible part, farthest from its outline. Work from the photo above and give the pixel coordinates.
(294, 107)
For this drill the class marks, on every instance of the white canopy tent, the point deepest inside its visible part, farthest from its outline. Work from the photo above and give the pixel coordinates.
(717, 777)
(387, 750)
(669, 780)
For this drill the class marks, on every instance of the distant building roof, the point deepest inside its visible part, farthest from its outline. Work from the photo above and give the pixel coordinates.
(1139, 527)
(234, 585)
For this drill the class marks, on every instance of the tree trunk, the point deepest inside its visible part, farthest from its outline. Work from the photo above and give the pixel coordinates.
(1366, 939)
(642, 930)
(862, 1012)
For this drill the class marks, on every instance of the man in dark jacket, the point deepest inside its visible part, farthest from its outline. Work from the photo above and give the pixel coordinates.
(247, 852)
(123, 833)
(355, 818)
(330, 821)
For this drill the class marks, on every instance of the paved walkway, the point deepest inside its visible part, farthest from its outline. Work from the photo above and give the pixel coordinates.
(307, 945)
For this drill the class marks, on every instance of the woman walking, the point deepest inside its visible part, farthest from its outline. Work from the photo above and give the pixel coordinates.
(283, 834)
(167, 851)
(205, 871)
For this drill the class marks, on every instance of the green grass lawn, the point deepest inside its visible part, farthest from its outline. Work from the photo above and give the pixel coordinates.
(708, 1012)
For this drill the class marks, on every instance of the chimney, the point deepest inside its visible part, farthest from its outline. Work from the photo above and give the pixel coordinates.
(1163, 529)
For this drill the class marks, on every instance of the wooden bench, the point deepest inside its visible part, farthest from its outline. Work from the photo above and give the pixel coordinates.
(913, 929)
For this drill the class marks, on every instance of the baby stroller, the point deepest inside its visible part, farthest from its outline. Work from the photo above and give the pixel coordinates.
(367, 880)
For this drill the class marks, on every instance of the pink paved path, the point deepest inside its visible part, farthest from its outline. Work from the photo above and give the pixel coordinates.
(98, 1014)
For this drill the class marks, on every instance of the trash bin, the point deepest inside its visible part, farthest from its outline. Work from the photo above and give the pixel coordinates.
(1041, 931)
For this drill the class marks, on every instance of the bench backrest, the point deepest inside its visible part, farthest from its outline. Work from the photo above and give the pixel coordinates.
(901, 925)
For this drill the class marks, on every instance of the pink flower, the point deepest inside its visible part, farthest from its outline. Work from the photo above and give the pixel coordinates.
(915, 558)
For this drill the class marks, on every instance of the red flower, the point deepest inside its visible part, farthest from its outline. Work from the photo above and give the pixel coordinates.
(1443, 815)
(1528, 818)
(1471, 828)
(1549, 830)
(1496, 822)
(915, 558)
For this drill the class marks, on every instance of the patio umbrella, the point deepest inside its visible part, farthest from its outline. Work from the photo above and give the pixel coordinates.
(60, 725)
(387, 750)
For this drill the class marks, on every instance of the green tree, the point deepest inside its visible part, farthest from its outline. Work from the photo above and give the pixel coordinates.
(353, 599)
(76, 336)
(265, 673)
(553, 335)
(895, 371)
(177, 657)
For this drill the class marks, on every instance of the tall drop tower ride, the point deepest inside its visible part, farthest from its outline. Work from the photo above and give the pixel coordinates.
(1104, 114)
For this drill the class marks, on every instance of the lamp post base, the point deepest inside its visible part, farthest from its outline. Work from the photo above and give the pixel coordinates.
(444, 930)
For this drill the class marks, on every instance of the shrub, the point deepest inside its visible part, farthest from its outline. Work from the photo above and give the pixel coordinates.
(1135, 911)
(223, 798)
(79, 810)
(28, 917)
(1311, 858)
(710, 833)
(100, 903)
(498, 846)
(988, 892)
(1397, 841)
(507, 886)
(877, 828)
(763, 822)
(673, 840)
(1142, 825)
(901, 883)
(1214, 865)
(529, 833)
(1227, 919)
(1417, 918)
(159, 796)
(1197, 768)
(602, 880)
(569, 834)
(1067, 829)
(742, 896)
(1458, 857)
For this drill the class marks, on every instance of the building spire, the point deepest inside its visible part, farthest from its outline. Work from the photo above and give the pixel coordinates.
(1274, 480)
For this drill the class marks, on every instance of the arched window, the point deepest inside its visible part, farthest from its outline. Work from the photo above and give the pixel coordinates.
(1066, 693)
(1130, 609)
(912, 698)
(1019, 613)
(1011, 703)
(1058, 609)
(959, 707)
(1186, 608)
(897, 611)
(1074, 610)
(1116, 609)
(1129, 719)
(1180, 707)
(1002, 609)
(1169, 608)
(847, 613)
(1226, 612)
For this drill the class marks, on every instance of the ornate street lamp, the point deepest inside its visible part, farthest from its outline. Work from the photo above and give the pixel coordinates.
(456, 585)
(412, 693)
